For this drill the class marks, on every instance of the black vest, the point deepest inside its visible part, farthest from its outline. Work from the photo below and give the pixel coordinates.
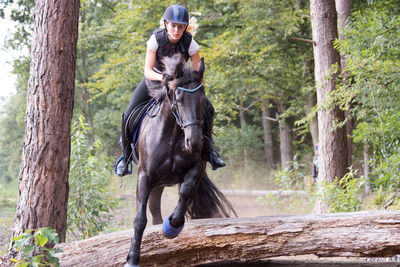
(165, 49)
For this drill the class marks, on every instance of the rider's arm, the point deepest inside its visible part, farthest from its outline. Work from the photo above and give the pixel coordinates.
(149, 72)
(195, 58)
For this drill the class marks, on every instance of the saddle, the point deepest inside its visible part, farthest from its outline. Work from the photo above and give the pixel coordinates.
(133, 122)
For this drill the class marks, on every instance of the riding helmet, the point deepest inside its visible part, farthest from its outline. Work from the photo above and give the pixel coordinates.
(176, 14)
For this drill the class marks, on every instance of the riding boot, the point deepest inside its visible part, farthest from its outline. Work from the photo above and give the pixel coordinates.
(211, 153)
(123, 166)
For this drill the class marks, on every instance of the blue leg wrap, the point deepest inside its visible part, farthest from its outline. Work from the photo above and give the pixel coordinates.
(170, 231)
(128, 265)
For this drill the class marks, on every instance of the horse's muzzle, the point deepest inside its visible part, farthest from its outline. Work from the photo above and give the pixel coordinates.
(193, 140)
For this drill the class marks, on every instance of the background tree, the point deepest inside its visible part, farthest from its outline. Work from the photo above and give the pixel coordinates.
(43, 191)
(343, 12)
(332, 137)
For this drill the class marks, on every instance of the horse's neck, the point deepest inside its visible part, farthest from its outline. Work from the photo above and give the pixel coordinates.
(168, 120)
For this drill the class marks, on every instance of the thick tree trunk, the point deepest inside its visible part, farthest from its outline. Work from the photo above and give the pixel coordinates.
(268, 149)
(43, 178)
(359, 234)
(286, 138)
(332, 140)
(343, 11)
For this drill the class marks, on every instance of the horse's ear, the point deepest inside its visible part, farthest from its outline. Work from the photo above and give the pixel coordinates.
(178, 70)
(201, 67)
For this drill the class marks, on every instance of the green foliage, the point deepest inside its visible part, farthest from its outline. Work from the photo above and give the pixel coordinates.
(289, 178)
(387, 173)
(11, 139)
(372, 50)
(37, 248)
(89, 199)
(371, 47)
(233, 141)
(296, 199)
(344, 195)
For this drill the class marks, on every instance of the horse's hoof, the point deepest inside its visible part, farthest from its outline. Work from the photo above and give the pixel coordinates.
(170, 231)
(129, 265)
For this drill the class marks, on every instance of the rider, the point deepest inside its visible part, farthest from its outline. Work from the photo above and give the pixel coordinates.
(173, 37)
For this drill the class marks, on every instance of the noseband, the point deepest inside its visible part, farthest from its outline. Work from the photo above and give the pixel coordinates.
(175, 110)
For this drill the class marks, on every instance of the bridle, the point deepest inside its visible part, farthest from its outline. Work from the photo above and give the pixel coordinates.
(175, 110)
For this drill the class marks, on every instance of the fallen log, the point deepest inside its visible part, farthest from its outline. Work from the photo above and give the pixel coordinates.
(358, 234)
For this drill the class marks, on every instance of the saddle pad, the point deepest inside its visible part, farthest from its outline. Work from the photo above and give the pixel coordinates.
(133, 124)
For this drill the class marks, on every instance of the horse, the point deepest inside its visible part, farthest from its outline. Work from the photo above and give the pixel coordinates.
(169, 150)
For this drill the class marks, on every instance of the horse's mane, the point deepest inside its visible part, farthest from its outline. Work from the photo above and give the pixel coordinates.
(156, 89)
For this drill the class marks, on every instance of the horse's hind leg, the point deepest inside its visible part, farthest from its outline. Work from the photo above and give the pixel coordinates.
(155, 204)
(142, 197)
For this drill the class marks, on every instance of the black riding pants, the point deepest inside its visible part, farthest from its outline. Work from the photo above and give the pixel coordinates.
(139, 96)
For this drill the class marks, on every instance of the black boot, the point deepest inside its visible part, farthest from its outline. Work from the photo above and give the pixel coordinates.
(123, 166)
(213, 157)
(215, 160)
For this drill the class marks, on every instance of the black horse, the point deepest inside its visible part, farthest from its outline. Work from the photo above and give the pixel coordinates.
(170, 148)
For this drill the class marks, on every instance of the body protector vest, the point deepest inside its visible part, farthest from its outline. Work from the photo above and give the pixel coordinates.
(165, 49)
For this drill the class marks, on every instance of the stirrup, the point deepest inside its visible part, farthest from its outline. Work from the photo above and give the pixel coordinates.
(126, 170)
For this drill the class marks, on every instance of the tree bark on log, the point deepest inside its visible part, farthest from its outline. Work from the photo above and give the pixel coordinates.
(358, 234)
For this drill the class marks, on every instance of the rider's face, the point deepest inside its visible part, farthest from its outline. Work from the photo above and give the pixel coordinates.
(175, 31)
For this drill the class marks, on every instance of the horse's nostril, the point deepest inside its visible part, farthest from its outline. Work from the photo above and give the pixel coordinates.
(187, 144)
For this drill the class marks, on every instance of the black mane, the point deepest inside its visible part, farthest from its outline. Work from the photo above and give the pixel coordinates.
(158, 90)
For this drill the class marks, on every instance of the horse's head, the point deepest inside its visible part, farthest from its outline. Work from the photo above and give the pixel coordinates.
(187, 98)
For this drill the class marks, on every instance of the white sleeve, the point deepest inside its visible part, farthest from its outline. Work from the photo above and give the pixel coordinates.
(193, 48)
(152, 43)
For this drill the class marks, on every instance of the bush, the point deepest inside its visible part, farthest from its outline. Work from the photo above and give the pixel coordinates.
(344, 195)
(89, 199)
(36, 247)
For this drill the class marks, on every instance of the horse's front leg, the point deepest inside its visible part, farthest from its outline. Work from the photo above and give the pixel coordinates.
(173, 224)
(142, 195)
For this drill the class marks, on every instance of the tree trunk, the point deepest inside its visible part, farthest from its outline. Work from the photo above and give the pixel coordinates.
(268, 149)
(311, 101)
(358, 234)
(242, 129)
(343, 11)
(332, 140)
(367, 187)
(43, 178)
(286, 138)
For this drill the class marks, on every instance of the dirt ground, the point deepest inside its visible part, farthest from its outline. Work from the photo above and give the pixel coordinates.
(245, 207)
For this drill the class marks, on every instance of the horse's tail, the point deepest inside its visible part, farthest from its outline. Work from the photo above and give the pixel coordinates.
(209, 202)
